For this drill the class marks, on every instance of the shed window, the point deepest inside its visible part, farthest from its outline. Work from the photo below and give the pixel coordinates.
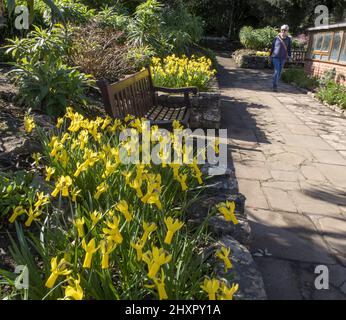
(336, 46)
(319, 41)
(343, 53)
(326, 42)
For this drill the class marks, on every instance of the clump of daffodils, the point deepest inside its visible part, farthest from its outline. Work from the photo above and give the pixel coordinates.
(176, 72)
(263, 53)
(124, 233)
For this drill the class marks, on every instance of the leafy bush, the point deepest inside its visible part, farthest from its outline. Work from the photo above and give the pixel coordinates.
(113, 17)
(45, 80)
(178, 72)
(164, 30)
(110, 230)
(333, 94)
(257, 39)
(299, 78)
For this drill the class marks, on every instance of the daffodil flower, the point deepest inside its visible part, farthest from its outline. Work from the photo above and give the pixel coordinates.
(102, 188)
(59, 122)
(79, 223)
(172, 227)
(106, 248)
(29, 124)
(32, 215)
(113, 232)
(223, 254)
(16, 213)
(155, 259)
(57, 269)
(138, 246)
(160, 285)
(63, 185)
(42, 199)
(50, 171)
(148, 229)
(74, 290)
(123, 207)
(227, 293)
(90, 249)
(37, 157)
(227, 209)
(110, 168)
(211, 286)
(182, 179)
(95, 217)
(74, 194)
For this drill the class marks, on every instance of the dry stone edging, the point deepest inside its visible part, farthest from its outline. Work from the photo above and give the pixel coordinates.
(219, 188)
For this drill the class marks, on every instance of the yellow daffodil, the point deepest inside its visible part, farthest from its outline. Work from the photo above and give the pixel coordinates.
(74, 194)
(63, 184)
(37, 157)
(42, 199)
(211, 286)
(74, 290)
(172, 227)
(79, 224)
(113, 232)
(227, 209)
(160, 285)
(106, 248)
(89, 249)
(50, 171)
(95, 217)
(223, 254)
(57, 269)
(16, 213)
(148, 229)
(182, 179)
(123, 207)
(138, 246)
(155, 259)
(109, 169)
(102, 188)
(32, 215)
(29, 123)
(227, 293)
(59, 122)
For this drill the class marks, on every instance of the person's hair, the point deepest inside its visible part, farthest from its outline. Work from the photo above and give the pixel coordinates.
(285, 27)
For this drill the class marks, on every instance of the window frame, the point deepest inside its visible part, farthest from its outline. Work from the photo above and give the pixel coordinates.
(320, 53)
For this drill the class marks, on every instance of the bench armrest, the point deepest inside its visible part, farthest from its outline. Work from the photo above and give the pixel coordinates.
(193, 90)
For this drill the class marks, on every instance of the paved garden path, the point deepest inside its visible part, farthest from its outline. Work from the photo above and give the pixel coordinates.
(289, 153)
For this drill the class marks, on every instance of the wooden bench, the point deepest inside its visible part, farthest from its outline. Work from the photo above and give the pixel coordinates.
(136, 95)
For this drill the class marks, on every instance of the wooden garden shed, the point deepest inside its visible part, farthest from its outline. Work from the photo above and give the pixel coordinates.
(327, 51)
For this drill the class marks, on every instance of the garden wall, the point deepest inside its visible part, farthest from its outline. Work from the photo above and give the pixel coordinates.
(318, 68)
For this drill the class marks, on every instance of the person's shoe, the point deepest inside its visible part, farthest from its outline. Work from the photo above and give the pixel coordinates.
(275, 89)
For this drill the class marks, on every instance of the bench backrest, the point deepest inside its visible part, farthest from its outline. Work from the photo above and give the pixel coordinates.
(133, 95)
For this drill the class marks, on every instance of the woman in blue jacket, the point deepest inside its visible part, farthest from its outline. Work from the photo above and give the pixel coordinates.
(280, 52)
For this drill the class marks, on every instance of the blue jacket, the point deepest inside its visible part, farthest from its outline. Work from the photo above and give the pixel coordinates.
(278, 50)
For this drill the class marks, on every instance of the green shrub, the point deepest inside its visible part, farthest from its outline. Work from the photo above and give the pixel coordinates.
(299, 78)
(44, 79)
(257, 39)
(50, 87)
(333, 94)
(112, 17)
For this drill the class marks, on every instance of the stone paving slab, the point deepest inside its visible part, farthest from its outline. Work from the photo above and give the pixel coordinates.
(291, 165)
